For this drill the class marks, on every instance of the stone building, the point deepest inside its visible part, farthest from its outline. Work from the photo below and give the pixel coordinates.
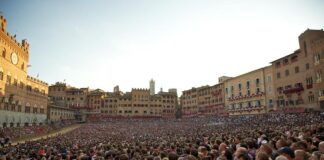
(23, 99)
(297, 76)
(250, 93)
(204, 100)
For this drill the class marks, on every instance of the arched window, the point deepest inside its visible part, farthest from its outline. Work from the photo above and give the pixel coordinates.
(23, 66)
(1, 74)
(4, 53)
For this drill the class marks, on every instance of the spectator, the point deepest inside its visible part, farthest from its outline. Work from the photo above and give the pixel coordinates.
(287, 152)
(262, 156)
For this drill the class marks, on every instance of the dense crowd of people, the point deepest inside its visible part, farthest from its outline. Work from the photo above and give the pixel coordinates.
(25, 131)
(9, 134)
(254, 137)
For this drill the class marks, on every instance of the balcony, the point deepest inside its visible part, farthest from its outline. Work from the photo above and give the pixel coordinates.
(246, 109)
(236, 98)
(293, 90)
(217, 93)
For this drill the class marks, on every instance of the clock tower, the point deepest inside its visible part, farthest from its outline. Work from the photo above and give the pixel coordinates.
(23, 99)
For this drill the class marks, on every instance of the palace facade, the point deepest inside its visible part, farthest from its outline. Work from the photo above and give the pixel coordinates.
(250, 93)
(94, 103)
(23, 99)
(204, 100)
(293, 83)
(297, 76)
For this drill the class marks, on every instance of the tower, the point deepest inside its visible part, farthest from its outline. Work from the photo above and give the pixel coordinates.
(152, 87)
(116, 89)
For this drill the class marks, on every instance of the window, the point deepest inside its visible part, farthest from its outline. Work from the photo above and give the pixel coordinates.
(27, 109)
(287, 72)
(285, 61)
(281, 102)
(8, 80)
(13, 107)
(248, 92)
(305, 48)
(258, 103)
(15, 82)
(307, 66)
(1, 75)
(23, 66)
(277, 64)
(296, 69)
(270, 103)
(239, 86)
(278, 75)
(269, 89)
(317, 58)
(294, 58)
(4, 53)
(311, 98)
(248, 84)
(258, 91)
(319, 76)
(269, 78)
(321, 93)
(309, 82)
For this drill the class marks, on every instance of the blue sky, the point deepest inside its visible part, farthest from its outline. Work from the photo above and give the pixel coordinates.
(179, 43)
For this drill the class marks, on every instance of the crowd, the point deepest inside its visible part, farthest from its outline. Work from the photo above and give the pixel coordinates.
(255, 137)
(9, 134)
(25, 131)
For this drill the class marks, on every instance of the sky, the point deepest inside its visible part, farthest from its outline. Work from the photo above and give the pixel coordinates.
(179, 43)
